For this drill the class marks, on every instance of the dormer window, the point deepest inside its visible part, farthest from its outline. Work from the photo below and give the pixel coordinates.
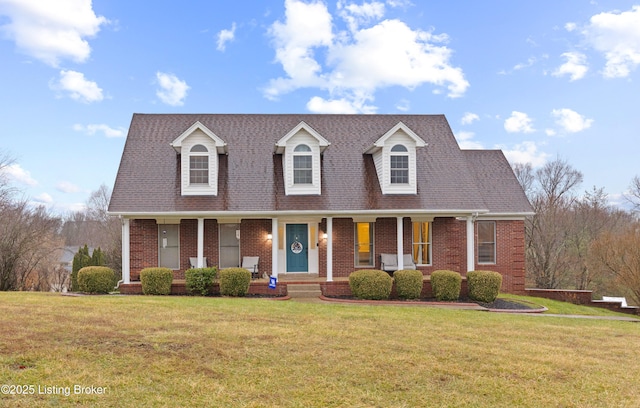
(301, 150)
(302, 165)
(199, 148)
(399, 164)
(395, 157)
(199, 165)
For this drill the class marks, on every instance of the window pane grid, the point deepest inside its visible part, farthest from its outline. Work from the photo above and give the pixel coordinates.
(364, 244)
(486, 242)
(422, 243)
(302, 169)
(399, 169)
(199, 170)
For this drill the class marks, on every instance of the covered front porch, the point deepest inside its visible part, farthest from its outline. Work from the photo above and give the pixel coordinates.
(297, 246)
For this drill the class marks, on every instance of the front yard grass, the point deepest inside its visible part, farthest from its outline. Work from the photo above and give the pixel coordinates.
(148, 351)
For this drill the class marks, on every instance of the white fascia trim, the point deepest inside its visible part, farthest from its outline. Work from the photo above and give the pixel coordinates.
(379, 144)
(282, 143)
(221, 145)
(303, 213)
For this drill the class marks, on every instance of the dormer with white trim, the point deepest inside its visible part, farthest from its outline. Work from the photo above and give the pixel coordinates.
(199, 148)
(301, 149)
(394, 155)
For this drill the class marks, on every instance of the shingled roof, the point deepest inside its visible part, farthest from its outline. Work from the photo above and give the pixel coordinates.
(251, 180)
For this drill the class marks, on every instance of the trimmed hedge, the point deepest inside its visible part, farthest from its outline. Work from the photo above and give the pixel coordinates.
(156, 281)
(199, 280)
(96, 279)
(484, 286)
(371, 284)
(446, 285)
(234, 281)
(408, 283)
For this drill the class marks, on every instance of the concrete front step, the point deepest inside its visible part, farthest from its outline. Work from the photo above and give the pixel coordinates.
(304, 290)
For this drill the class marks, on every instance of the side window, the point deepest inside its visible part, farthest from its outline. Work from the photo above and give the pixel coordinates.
(364, 244)
(399, 161)
(486, 242)
(421, 243)
(198, 165)
(302, 165)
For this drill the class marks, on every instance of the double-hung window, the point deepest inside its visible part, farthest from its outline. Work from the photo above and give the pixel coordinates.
(364, 244)
(486, 242)
(399, 164)
(302, 165)
(198, 165)
(421, 237)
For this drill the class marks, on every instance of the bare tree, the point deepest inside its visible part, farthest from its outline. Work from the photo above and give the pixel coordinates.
(27, 239)
(619, 254)
(590, 217)
(551, 197)
(633, 196)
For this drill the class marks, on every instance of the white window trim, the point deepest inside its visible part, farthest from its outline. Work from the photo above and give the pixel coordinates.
(198, 134)
(429, 242)
(381, 152)
(495, 243)
(301, 134)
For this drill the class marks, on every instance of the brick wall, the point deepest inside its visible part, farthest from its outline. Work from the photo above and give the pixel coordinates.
(448, 251)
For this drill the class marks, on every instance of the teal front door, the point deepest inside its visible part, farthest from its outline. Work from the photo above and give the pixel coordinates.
(297, 248)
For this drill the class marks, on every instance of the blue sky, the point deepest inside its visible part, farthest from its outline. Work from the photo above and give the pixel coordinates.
(539, 80)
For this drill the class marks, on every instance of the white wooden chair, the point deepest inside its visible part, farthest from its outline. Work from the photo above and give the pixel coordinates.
(251, 264)
(193, 261)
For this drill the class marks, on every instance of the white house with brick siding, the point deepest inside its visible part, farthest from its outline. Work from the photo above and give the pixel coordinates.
(315, 195)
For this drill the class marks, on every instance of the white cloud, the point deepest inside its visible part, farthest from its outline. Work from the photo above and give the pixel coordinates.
(19, 175)
(343, 106)
(403, 105)
(360, 61)
(526, 152)
(78, 87)
(469, 118)
(43, 198)
(571, 121)
(550, 132)
(172, 90)
(106, 130)
(225, 36)
(67, 187)
(465, 142)
(518, 122)
(356, 15)
(522, 65)
(576, 66)
(52, 30)
(617, 36)
(570, 26)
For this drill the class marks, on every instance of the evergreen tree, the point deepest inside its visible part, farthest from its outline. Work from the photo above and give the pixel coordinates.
(80, 260)
(97, 257)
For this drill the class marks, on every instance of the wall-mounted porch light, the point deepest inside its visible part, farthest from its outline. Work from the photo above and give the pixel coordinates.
(269, 237)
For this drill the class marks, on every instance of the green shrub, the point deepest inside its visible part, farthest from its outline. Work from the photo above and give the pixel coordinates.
(408, 283)
(484, 286)
(95, 279)
(156, 281)
(234, 281)
(370, 284)
(199, 280)
(446, 285)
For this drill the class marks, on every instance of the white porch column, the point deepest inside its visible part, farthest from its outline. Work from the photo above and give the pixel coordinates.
(275, 239)
(471, 257)
(200, 242)
(329, 249)
(126, 252)
(399, 241)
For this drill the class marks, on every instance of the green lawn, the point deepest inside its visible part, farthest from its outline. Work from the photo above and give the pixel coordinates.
(221, 352)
